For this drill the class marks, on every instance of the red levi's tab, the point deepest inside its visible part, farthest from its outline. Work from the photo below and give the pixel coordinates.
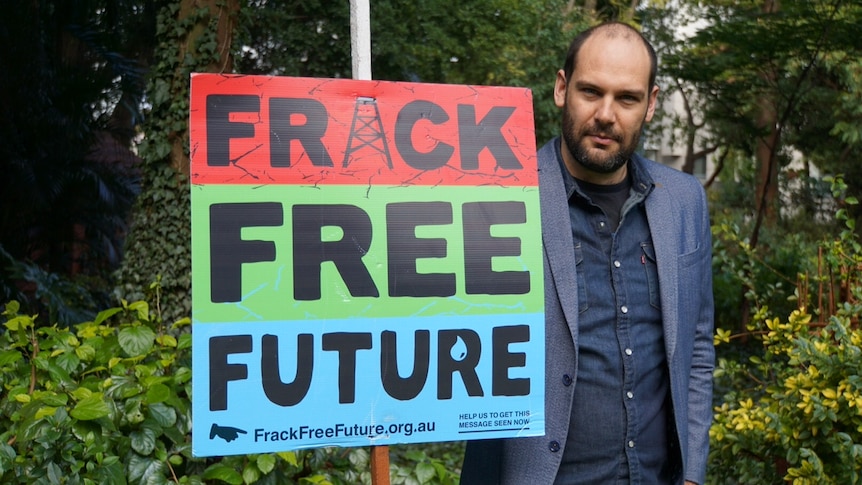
(260, 130)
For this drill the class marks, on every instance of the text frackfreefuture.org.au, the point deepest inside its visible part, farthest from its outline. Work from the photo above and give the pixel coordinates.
(342, 431)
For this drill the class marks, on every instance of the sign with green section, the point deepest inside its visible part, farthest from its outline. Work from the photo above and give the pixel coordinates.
(367, 264)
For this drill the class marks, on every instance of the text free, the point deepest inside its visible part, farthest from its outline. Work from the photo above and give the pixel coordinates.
(228, 251)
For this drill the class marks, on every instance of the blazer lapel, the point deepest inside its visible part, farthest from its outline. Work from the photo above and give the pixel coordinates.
(556, 233)
(665, 236)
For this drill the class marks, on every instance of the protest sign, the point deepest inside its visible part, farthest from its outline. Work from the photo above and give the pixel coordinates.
(367, 264)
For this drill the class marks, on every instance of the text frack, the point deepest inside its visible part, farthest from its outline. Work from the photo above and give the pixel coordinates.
(298, 125)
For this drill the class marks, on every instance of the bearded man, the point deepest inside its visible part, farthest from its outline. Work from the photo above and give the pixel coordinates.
(628, 291)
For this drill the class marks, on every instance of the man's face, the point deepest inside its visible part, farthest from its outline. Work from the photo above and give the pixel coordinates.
(605, 104)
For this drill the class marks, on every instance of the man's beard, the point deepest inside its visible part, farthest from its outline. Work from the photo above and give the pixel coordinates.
(612, 161)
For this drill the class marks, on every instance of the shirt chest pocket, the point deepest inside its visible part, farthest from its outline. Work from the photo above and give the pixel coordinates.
(651, 269)
(583, 302)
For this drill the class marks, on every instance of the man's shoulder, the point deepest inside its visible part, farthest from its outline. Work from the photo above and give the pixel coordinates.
(549, 151)
(665, 175)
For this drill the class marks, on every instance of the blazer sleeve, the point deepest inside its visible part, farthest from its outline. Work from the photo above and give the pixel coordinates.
(700, 390)
(679, 221)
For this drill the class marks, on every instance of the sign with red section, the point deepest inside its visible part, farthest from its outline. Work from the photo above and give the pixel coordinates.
(367, 264)
(278, 130)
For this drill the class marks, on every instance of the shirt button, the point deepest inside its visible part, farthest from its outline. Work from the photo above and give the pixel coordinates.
(602, 224)
(630, 395)
(624, 309)
(554, 446)
(628, 351)
(617, 264)
(567, 380)
(631, 444)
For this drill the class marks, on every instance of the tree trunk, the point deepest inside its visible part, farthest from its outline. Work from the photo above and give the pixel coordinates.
(767, 165)
(767, 174)
(223, 13)
(159, 247)
(766, 153)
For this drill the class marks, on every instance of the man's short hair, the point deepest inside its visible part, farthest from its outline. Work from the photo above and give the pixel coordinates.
(610, 29)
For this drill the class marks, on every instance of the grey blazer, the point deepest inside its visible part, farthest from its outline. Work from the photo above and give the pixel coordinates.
(679, 224)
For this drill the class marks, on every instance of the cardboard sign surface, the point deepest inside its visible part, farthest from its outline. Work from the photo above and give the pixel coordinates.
(367, 264)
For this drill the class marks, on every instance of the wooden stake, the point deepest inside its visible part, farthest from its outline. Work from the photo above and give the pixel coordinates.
(380, 465)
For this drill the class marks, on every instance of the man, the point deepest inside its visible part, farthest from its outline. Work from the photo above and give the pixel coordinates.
(628, 291)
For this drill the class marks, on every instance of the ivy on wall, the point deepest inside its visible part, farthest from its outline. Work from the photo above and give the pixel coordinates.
(158, 247)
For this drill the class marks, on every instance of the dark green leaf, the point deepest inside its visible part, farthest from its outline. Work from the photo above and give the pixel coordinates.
(143, 441)
(55, 474)
(57, 372)
(164, 415)
(54, 399)
(7, 456)
(111, 473)
(142, 469)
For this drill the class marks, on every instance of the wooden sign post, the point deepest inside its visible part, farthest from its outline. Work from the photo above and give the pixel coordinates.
(380, 465)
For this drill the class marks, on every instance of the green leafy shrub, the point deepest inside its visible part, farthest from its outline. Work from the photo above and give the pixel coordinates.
(761, 276)
(795, 414)
(428, 463)
(792, 412)
(92, 404)
(108, 401)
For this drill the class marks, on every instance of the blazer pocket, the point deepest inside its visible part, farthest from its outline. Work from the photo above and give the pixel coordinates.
(693, 257)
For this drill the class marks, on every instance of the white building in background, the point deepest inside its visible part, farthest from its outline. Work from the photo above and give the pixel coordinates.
(662, 142)
(665, 142)
(664, 146)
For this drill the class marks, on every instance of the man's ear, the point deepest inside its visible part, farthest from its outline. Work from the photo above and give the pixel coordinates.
(653, 97)
(560, 89)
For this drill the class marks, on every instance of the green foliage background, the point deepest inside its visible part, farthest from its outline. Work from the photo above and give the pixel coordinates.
(789, 403)
(109, 401)
(96, 395)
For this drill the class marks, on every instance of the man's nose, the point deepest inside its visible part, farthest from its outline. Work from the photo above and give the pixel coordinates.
(605, 111)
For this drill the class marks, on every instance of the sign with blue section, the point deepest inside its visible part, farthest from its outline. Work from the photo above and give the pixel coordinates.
(367, 264)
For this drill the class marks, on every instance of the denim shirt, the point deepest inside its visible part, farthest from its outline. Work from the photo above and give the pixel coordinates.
(619, 429)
